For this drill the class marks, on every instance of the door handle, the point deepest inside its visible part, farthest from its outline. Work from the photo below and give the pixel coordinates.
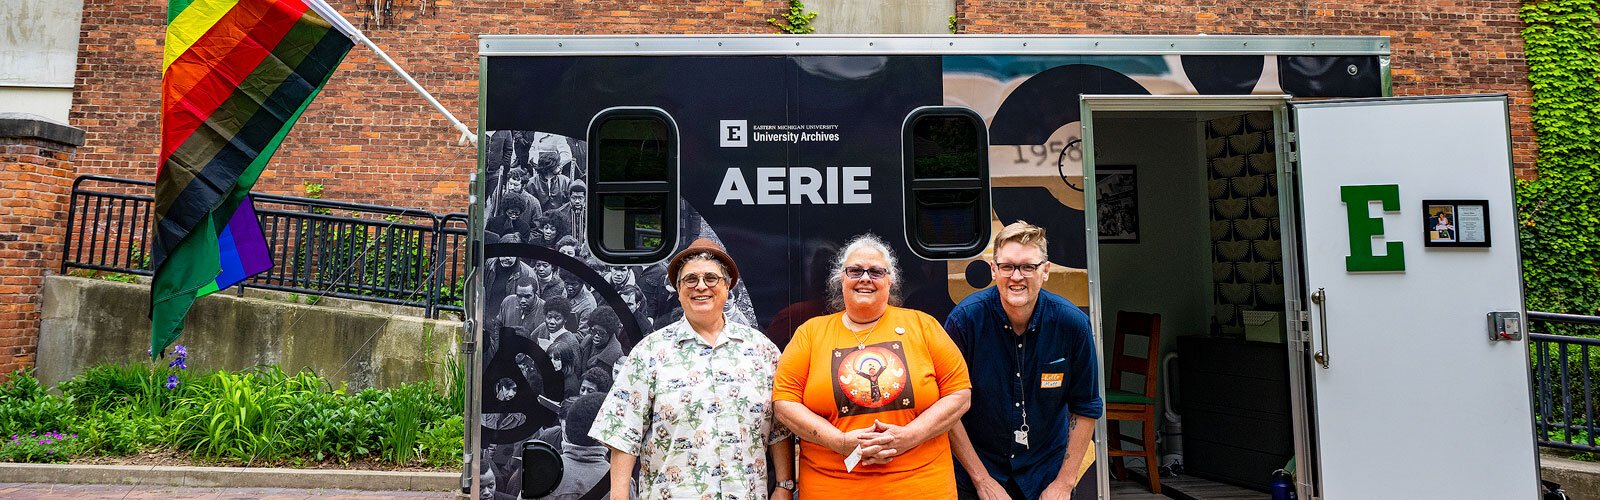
(1320, 298)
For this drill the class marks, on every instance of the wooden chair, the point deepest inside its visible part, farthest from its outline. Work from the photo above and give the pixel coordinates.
(1137, 404)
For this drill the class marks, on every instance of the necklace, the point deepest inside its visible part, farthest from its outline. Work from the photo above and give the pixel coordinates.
(861, 340)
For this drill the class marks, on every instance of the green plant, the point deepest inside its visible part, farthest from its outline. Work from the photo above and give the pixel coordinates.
(26, 407)
(104, 275)
(49, 446)
(952, 25)
(137, 255)
(441, 442)
(456, 396)
(796, 21)
(104, 386)
(121, 431)
(401, 412)
(314, 190)
(239, 415)
(255, 415)
(330, 425)
(1560, 210)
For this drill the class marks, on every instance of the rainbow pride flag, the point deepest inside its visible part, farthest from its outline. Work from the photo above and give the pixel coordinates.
(235, 76)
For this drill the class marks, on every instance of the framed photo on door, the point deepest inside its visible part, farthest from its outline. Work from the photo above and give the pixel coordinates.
(1117, 199)
(1455, 223)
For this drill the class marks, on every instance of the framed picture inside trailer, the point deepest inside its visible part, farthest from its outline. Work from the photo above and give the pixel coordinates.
(1118, 198)
(604, 155)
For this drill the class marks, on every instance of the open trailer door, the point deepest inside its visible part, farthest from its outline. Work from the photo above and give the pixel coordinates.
(1410, 257)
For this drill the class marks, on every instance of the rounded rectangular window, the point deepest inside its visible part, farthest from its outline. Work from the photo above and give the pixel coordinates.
(633, 167)
(631, 149)
(946, 171)
(946, 147)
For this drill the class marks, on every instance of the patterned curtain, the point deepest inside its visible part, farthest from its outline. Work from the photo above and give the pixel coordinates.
(1246, 258)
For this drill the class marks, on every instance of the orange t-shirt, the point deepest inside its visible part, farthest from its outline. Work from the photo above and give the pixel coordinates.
(909, 362)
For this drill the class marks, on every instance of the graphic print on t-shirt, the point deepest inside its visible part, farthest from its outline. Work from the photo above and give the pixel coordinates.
(871, 380)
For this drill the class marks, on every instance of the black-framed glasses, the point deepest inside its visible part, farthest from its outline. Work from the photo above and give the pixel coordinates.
(856, 272)
(1007, 268)
(694, 280)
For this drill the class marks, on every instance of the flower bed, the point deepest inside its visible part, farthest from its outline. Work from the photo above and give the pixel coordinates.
(258, 417)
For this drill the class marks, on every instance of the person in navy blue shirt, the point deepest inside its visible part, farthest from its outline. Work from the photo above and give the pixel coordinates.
(1034, 370)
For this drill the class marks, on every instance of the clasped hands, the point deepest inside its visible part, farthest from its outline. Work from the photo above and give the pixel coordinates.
(879, 443)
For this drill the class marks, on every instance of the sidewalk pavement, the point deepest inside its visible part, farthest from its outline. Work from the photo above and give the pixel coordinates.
(19, 480)
(154, 492)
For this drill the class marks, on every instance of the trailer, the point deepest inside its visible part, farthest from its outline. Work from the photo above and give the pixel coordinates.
(1337, 269)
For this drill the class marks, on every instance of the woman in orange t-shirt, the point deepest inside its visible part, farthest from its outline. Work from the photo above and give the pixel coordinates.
(877, 382)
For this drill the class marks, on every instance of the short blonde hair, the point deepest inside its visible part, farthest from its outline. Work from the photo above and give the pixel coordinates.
(1021, 232)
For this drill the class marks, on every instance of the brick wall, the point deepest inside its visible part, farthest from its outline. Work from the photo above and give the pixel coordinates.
(1439, 46)
(368, 132)
(35, 175)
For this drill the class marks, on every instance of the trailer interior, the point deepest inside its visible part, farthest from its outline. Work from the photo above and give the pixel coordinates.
(1190, 255)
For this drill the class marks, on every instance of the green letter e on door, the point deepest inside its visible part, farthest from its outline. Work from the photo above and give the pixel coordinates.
(1364, 227)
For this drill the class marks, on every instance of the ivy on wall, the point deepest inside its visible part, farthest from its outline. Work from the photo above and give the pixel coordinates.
(796, 21)
(1560, 210)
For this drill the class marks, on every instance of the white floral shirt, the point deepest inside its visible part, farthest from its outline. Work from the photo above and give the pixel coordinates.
(698, 416)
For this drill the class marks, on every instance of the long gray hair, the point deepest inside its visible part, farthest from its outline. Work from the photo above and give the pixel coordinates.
(836, 279)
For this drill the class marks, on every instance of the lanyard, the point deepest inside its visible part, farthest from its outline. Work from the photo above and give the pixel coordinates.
(1021, 434)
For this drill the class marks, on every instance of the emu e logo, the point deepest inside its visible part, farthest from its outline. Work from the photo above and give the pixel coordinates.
(796, 186)
(1364, 227)
(733, 133)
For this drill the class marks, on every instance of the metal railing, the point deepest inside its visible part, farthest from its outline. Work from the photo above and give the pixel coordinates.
(319, 248)
(1565, 382)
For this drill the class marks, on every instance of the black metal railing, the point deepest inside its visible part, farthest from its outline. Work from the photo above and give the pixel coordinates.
(1566, 378)
(319, 248)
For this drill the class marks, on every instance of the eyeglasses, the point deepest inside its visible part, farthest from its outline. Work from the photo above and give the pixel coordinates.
(1007, 268)
(694, 280)
(855, 272)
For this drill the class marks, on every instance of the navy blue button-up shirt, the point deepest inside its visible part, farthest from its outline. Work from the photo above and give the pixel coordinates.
(1051, 370)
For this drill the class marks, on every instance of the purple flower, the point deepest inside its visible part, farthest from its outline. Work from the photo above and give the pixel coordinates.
(180, 351)
(178, 362)
(172, 381)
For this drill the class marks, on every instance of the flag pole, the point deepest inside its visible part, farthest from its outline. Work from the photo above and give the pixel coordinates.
(339, 22)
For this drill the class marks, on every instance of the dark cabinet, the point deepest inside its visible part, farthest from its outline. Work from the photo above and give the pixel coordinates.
(1234, 398)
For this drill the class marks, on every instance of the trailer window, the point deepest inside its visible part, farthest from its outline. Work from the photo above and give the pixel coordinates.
(633, 171)
(946, 171)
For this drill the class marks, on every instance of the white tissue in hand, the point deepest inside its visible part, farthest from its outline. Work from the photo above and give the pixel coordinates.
(851, 461)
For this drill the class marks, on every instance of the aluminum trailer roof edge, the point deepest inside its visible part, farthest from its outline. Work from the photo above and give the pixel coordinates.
(544, 45)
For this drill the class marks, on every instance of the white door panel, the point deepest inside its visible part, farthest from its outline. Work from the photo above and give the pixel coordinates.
(1415, 400)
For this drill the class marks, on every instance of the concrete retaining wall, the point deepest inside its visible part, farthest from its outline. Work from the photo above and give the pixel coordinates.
(1581, 480)
(87, 322)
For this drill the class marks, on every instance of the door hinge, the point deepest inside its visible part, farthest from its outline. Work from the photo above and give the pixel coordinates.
(1289, 148)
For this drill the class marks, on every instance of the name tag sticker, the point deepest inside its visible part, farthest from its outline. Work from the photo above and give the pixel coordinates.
(1050, 381)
